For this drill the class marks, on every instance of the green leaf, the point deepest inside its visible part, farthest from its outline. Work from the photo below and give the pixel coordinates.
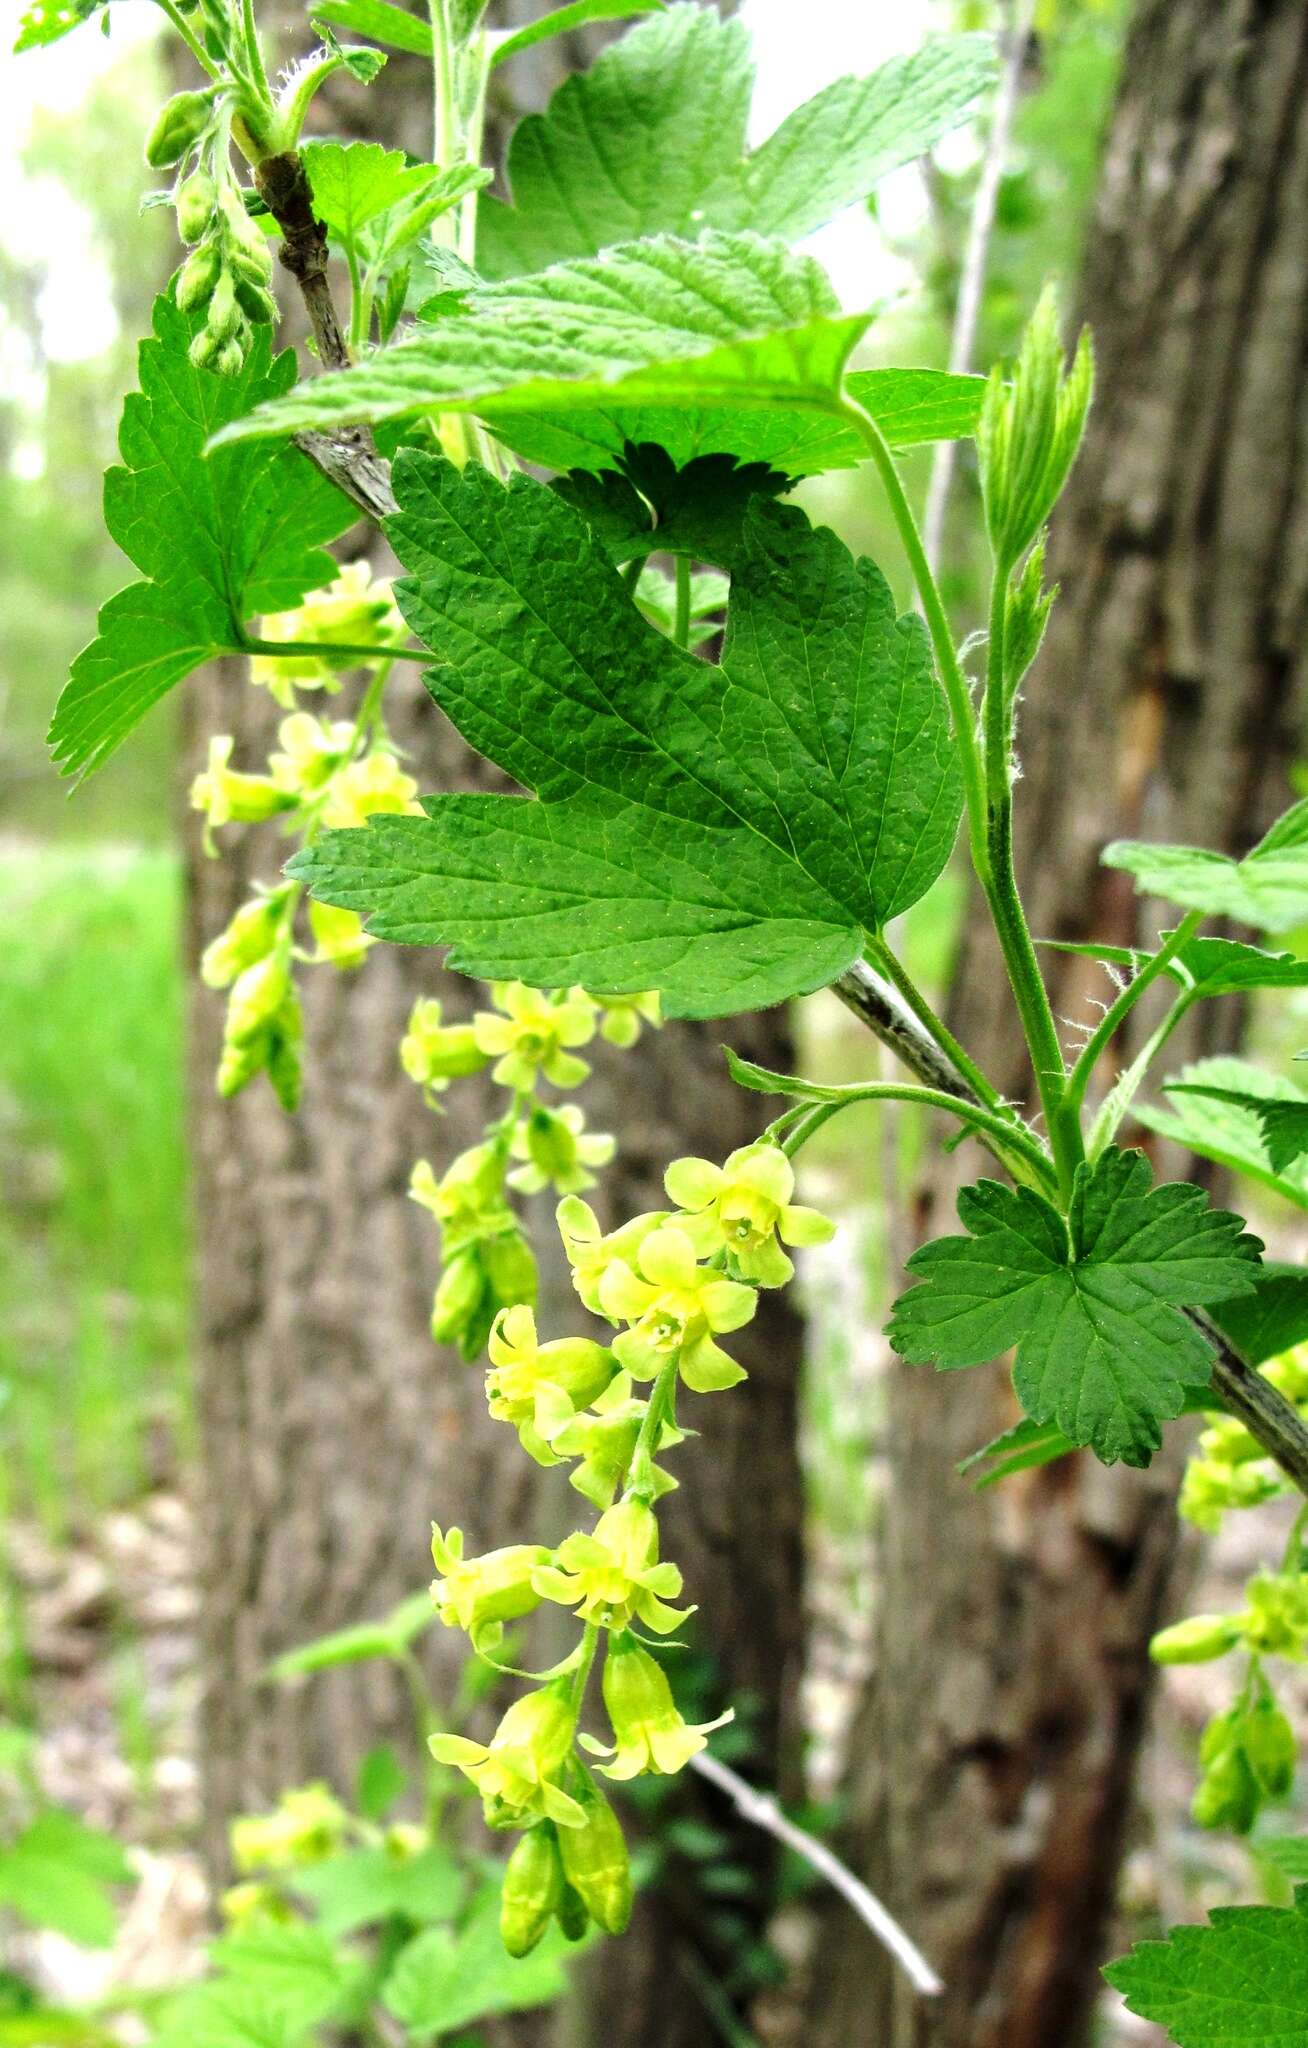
(357, 1645)
(1023, 1448)
(294, 1968)
(1283, 1120)
(1272, 1319)
(218, 539)
(379, 1781)
(1090, 1303)
(353, 182)
(394, 26)
(45, 21)
(1204, 966)
(650, 504)
(1287, 1853)
(55, 1874)
(652, 140)
(909, 406)
(443, 1981)
(363, 1886)
(563, 21)
(1268, 888)
(1239, 1982)
(226, 2013)
(723, 834)
(731, 322)
(1214, 1113)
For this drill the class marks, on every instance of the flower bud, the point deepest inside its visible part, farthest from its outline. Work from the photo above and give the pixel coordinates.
(224, 315)
(1270, 1748)
(532, 1891)
(255, 301)
(230, 359)
(511, 1270)
(196, 280)
(256, 998)
(1227, 1796)
(1195, 1640)
(285, 1065)
(194, 199)
(573, 1918)
(596, 1863)
(180, 122)
(251, 935)
(204, 350)
(458, 1298)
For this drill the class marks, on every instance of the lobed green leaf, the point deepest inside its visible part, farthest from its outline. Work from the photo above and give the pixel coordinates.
(1268, 888)
(1239, 1982)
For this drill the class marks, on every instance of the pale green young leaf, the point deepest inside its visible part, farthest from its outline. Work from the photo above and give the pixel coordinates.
(652, 140)
(443, 1981)
(1286, 1853)
(1214, 1111)
(218, 539)
(296, 1968)
(1283, 1120)
(1239, 1982)
(225, 2012)
(1268, 888)
(1204, 966)
(353, 182)
(362, 1887)
(563, 21)
(389, 1637)
(731, 322)
(909, 406)
(56, 1872)
(1091, 1303)
(378, 19)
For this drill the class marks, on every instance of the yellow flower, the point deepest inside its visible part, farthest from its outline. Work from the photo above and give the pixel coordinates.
(603, 1439)
(363, 788)
(478, 1594)
(674, 1306)
(558, 1150)
(515, 1773)
(433, 1053)
(613, 1575)
(589, 1252)
(468, 1200)
(651, 1735)
(744, 1206)
(311, 750)
(529, 1039)
(539, 1387)
(229, 798)
(340, 939)
(308, 1825)
(353, 610)
(621, 1016)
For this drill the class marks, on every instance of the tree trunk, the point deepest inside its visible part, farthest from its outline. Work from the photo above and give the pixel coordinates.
(996, 1746)
(333, 1431)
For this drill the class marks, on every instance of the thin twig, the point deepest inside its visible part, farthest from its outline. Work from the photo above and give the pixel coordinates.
(967, 312)
(762, 1810)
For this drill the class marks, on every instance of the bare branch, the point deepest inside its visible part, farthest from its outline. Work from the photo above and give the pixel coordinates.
(762, 1810)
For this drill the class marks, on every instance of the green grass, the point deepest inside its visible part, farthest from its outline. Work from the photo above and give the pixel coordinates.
(93, 1225)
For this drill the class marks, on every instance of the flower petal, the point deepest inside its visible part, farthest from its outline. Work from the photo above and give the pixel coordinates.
(728, 1304)
(706, 1369)
(667, 1257)
(692, 1183)
(623, 1296)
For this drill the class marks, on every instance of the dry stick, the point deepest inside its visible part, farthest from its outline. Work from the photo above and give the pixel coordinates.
(347, 455)
(972, 280)
(761, 1809)
(1272, 1420)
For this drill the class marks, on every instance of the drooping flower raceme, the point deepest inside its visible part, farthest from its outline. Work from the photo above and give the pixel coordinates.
(517, 1772)
(675, 1306)
(742, 1207)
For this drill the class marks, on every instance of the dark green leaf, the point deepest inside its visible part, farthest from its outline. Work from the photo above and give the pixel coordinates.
(1239, 1982)
(1207, 967)
(724, 835)
(1272, 1319)
(731, 322)
(218, 539)
(1283, 1120)
(651, 504)
(1091, 1303)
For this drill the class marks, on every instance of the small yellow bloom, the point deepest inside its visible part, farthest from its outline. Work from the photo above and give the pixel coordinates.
(479, 1593)
(516, 1772)
(339, 936)
(311, 751)
(589, 1252)
(539, 1387)
(674, 1306)
(743, 1207)
(530, 1038)
(353, 610)
(613, 1576)
(433, 1053)
(621, 1017)
(558, 1150)
(650, 1734)
(229, 798)
(308, 1824)
(603, 1439)
(364, 788)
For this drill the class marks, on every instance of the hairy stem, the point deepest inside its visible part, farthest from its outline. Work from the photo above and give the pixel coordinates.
(1117, 1013)
(894, 971)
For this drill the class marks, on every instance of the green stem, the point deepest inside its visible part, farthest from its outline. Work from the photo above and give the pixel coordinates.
(952, 678)
(1016, 1142)
(581, 1677)
(1117, 1013)
(1124, 1090)
(896, 973)
(254, 54)
(195, 47)
(640, 1473)
(290, 116)
(681, 618)
(358, 334)
(631, 573)
(325, 650)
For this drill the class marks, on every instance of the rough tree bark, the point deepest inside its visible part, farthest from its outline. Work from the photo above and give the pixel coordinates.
(333, 1431)
(995, 1751)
